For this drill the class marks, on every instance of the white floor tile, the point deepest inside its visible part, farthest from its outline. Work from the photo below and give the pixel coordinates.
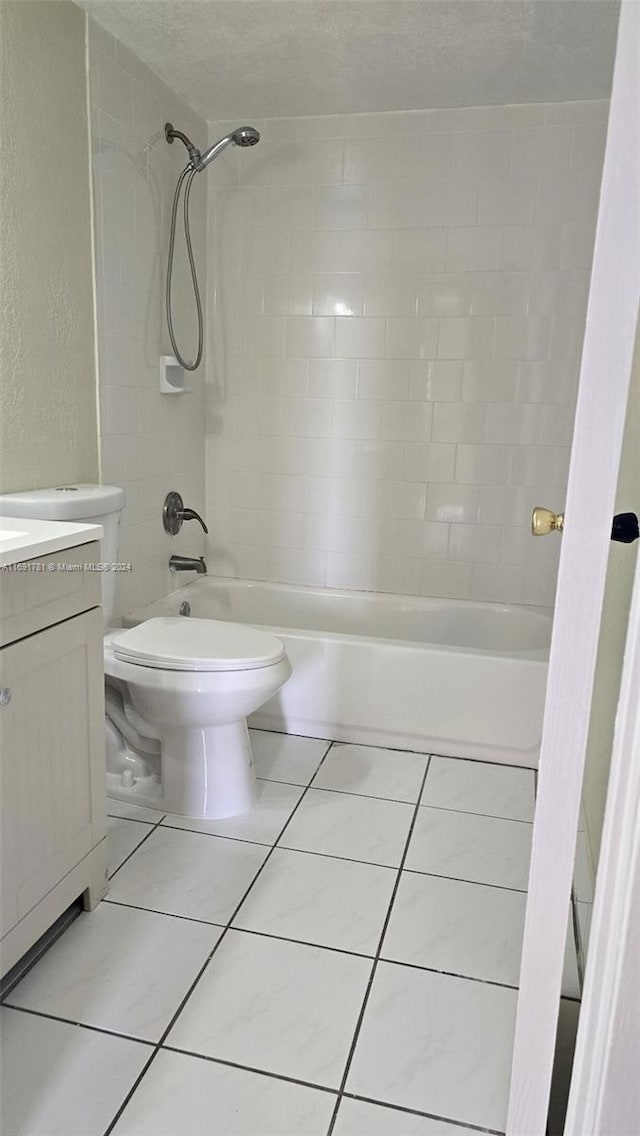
(193, 1097)
(262, 824)
(477, 787)
(342, 824)
(285, 757)
(467, 846)
(122, 837)
(276, 1006)
(437, 1044)
(388, 773)
(59, 1080)
(120, 969)
(467, 929)
(358, 1118)
(132, 812)
(316, 899)
(187, 873)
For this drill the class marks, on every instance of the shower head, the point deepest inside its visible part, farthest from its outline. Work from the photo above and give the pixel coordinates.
(243, 136)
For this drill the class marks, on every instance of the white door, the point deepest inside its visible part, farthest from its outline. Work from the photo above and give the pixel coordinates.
(604, 381)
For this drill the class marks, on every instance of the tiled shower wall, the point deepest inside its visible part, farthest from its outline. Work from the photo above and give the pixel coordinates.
(150, 443)
(396, 306)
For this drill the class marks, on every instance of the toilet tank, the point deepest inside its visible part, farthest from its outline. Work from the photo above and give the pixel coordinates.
(91, 504)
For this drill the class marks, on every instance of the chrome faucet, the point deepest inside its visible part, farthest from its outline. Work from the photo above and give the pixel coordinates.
(188, 564)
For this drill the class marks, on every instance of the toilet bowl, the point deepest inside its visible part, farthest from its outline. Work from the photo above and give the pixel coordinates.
(179, 692)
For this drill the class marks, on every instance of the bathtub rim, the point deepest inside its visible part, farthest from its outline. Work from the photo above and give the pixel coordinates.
(532, 655)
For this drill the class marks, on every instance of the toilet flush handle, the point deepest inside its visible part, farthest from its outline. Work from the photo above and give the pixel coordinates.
(174, 514)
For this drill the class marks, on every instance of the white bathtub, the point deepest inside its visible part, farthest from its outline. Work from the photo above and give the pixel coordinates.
(441, 676)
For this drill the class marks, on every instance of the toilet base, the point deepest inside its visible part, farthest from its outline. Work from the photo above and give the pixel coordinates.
(207, 774)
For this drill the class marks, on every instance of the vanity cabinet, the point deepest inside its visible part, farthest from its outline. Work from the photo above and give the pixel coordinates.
(52, 764)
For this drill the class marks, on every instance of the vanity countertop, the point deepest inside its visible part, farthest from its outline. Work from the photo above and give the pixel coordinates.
(22, 539)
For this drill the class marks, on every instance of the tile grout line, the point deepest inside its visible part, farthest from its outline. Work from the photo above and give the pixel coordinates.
(426, 1115)
(152, 829)
(228, 926)
(79, 1025)
(250, 1069)
(376, 960)
(403, 749)
(160, 1043)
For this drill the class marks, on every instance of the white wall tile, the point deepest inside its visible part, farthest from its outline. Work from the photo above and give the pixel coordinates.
(338, 294)
(483, 465)
(506, 201)
(391, 294)
(341, 206)
(459, 422)
(383, 378)
(310, 337)
(436, 380)
(474, 249)
(500, 294)
(541, 150)
(482, 153)
(446, 294)
(149, 444)
(411, 338)
(452, 504)
(429, 461)
(406, 421)
(395, 347)
(358, 338)
(466, 338)
(333, 378)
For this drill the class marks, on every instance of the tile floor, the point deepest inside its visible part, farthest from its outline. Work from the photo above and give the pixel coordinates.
(342, 960)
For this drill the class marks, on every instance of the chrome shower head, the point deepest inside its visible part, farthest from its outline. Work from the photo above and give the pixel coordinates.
(243, 136)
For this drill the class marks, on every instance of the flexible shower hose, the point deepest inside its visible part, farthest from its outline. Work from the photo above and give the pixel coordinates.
(189, 173)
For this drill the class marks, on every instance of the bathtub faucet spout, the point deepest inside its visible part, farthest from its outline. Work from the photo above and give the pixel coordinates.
(188, 564)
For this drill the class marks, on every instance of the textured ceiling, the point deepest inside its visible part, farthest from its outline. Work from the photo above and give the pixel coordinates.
(272, 58)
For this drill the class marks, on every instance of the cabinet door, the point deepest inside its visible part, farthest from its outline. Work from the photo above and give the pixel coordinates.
(52, 764)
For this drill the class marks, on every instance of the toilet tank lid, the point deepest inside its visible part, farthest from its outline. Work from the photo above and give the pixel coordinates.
(63, 502)
(181, 644)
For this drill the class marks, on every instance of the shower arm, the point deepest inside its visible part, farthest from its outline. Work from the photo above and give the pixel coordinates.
(171, 134)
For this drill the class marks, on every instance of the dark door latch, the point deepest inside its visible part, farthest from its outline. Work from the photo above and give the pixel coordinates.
(625, 528)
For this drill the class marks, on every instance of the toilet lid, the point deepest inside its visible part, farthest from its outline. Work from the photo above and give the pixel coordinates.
(181, 644)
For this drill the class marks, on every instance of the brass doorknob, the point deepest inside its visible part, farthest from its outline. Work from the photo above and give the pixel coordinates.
(543, 521)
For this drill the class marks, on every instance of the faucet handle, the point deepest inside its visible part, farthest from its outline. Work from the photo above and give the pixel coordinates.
(174, 513)
(191, 515)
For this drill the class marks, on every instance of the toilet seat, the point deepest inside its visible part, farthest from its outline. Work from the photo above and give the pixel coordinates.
(179, 644)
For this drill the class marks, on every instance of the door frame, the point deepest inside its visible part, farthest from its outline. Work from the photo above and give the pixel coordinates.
(595, 457)
(605, 1088)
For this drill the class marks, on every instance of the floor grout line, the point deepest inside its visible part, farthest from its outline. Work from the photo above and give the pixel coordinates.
(152, 829)
(194, 984)
(250, 1069)
(376, 960)
(340, 1092)
(427, 1115)
(80, 1025)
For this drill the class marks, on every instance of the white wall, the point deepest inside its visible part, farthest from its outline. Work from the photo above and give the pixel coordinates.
(48, 425)
(150, 443)
(398, 304)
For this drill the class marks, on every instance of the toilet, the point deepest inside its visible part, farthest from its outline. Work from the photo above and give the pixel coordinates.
(178, 690)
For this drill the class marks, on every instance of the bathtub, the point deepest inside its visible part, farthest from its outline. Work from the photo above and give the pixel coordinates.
(452, 677)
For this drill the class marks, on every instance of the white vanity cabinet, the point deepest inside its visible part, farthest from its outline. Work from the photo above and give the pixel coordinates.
(52, 764)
